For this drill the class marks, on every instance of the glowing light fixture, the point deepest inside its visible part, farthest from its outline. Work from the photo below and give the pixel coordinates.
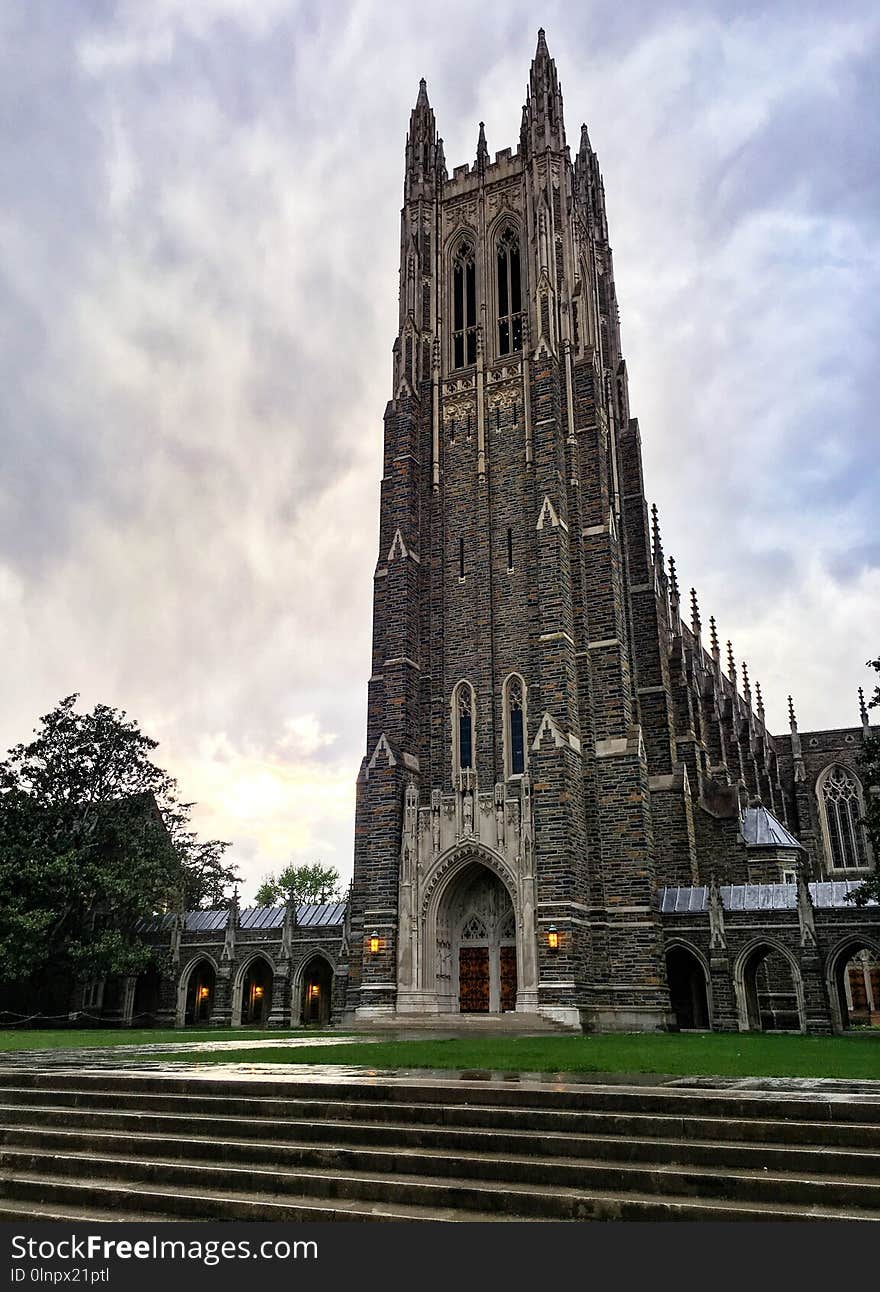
(374, 942)
(553, 938)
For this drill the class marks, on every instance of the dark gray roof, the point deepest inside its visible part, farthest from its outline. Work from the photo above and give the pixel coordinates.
(755, 897)
(760, 829)
(308, 916)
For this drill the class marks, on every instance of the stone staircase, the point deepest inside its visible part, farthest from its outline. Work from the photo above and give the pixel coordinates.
(147, 1146)
(508, 1024)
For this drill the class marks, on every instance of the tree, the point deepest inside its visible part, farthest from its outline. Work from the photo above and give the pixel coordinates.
(299, 884)
(869, 760)
(93, 837)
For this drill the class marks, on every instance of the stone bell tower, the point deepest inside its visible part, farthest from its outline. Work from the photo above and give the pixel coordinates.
(505, 831)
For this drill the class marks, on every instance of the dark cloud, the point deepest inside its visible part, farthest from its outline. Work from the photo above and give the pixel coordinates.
(198, 272)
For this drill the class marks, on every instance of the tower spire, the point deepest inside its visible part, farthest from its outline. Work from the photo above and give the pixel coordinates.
(543, 126)
(424, 161)
(713, 639)
(760, 702)
(696, 621)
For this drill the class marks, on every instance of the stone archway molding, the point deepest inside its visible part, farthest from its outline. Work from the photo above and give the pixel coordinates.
(741, 987)
(183, 983)
(238, 982)
(297, 982)
(845, 948)
(443, 874)
(682, 944)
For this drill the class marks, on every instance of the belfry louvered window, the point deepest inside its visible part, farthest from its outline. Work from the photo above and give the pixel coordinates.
(510, 326)
(841, 802)
(464, 306)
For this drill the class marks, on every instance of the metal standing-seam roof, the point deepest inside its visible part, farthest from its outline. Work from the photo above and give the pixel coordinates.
(756, 897)
(760, 829)
(311, 915)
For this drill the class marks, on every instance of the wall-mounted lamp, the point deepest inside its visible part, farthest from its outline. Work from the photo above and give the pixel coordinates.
(258, 991)
(204, 993)
(374, 942)
(314, 990)
(553, 938)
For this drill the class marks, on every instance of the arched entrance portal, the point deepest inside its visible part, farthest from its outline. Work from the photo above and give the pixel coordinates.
(856, 984)
(476, 944)
(771, 999)
(317, 993)
(687, 989)
(200, 994)
(256, 993)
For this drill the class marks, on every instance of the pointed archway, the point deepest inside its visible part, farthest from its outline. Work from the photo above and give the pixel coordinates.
(476, 958)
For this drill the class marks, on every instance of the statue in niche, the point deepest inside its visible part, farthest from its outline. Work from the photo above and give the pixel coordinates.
(467, 813)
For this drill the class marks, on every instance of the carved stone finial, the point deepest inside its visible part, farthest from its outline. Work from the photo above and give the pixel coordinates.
(673, 579)
(696, 622)
(731, 663)
(760, 700)
(863, 710)
(792, 718)
(655, 535)
(713, 636)
(482, 149)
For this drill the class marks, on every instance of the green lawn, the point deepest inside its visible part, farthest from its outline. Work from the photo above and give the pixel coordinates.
(74, 1038)
(711, 1054)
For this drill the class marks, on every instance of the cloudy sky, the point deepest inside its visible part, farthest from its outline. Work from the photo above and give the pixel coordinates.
(198, 281)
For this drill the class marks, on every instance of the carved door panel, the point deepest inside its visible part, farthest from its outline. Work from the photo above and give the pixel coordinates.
(508, 978)
(473, 980)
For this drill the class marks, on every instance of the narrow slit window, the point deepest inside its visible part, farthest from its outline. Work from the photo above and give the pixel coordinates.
(464, 307)
(509, 293)
(515, 727)
(461, 558)
(510, 549)
(464, 706)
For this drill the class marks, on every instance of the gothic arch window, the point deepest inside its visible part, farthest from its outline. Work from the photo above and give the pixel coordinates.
(514, 698)
(509, 292)
(464, 305)
(841, 808)
(463, 726)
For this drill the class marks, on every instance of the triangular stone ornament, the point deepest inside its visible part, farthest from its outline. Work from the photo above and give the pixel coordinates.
(547, 514)
(549, 726)
(382, 751)
(398, 547)
(612, 528)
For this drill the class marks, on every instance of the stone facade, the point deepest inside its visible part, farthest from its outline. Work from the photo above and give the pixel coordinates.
(263, 966)
(545, 735)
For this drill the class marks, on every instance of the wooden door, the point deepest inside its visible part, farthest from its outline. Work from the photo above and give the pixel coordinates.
(473, 980)
(508, 978)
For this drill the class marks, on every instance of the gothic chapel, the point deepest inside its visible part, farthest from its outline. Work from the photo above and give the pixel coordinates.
(567, 807)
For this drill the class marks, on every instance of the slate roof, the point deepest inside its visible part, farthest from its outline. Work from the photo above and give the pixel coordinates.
(760, 829)
(308, 916)
(756, 897)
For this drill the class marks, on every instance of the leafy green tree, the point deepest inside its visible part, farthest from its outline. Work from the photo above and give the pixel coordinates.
(869, 760)
(300, 884)
(93, 837)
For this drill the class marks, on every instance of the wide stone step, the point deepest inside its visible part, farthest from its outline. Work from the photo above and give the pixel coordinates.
(382, 1120)
(685, 1102)
(98, 1197)
(233, 1140)
(535, 1187)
